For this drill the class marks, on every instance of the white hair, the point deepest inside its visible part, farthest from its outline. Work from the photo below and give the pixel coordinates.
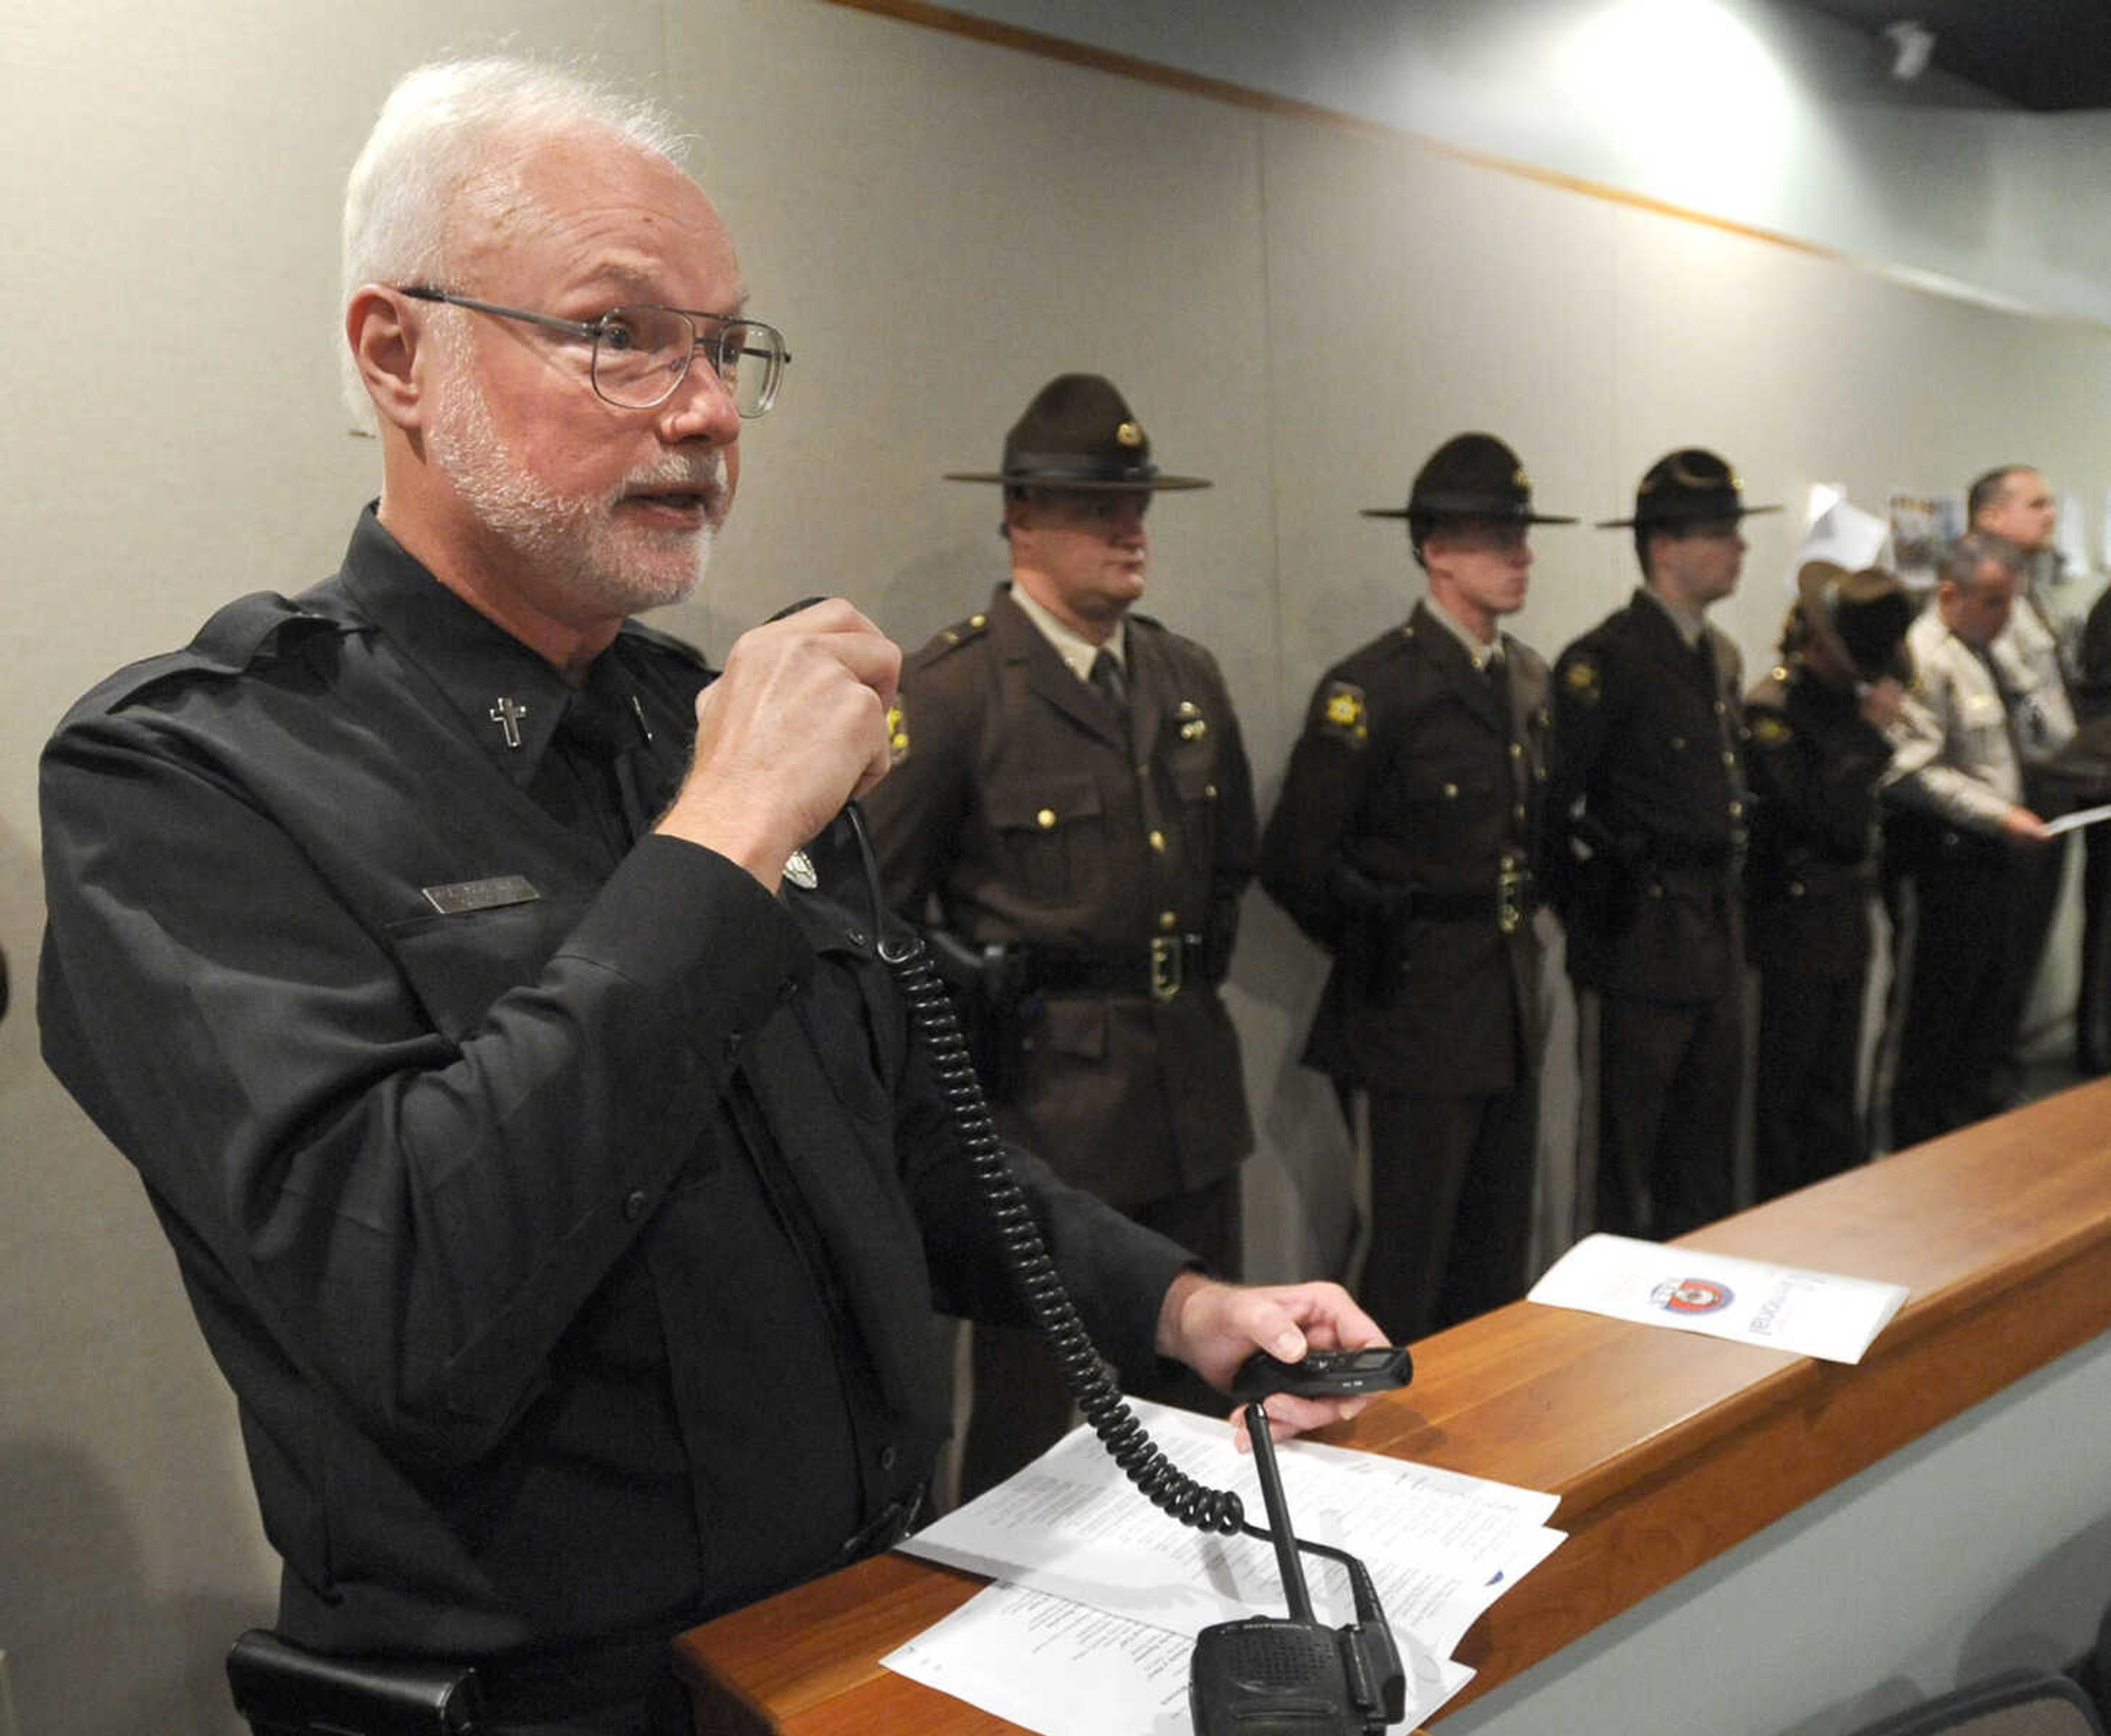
(452, 127)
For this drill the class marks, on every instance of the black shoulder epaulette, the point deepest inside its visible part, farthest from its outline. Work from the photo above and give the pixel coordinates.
(261, 627)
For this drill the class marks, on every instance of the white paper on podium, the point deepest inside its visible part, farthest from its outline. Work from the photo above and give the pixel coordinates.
(1811, 1314)
(1064, 1669)
(1441, 1547)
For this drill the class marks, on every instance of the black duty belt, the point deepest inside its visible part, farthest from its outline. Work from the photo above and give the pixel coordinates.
(1159, 969)
(895, 1521)
(1512, 898)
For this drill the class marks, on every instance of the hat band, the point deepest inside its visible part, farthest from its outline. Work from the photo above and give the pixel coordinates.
(1060, 467)
(1468, 505)
(1716, 503)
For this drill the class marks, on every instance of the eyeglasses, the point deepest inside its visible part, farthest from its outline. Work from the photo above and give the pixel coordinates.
(641, 355)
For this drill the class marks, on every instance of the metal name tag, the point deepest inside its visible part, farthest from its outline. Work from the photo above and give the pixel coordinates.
(464, 896)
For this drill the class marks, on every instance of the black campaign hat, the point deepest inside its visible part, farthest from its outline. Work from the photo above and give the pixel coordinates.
(1077, 433)
(1863, 616)
(1470, 475)
(1691, 486)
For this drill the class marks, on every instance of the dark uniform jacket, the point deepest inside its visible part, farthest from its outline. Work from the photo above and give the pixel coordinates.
(1645, 809)
(1415, 774)
(567, 1216)
(1019, 804)
(1814, 760)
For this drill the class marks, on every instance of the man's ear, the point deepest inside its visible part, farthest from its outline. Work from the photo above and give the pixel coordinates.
(384, 336)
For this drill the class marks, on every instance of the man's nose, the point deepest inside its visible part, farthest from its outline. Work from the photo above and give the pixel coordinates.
(701, 409)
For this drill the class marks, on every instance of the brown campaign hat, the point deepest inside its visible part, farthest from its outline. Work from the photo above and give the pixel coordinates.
(1863, 616)
(1470, 475)
(1691, 486)
(1078, 433)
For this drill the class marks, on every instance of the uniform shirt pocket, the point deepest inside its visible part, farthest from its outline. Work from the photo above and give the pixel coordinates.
(1053, 833)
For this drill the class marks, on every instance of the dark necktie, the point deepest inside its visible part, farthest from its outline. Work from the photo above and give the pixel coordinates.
(1113, 686)
(601, 729)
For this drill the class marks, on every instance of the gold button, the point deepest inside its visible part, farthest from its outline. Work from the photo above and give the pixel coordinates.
(1169, 920)
(1517, 812)
(978, 621)
(1517, 750)
(1450, 790)
(1046, 818)
(1678, 745)
(1728, 758)
(1158, 842)
(1737, 810)
(1209, 792)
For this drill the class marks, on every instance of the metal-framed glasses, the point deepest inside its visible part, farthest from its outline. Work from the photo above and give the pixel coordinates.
(642, 354)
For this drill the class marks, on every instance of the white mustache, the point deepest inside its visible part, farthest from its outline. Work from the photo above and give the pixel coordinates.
(705, 471)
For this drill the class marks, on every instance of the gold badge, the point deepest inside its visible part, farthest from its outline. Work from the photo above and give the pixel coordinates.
(1581, 678)
(898, 732)
(1128, 434)
(1342, 713)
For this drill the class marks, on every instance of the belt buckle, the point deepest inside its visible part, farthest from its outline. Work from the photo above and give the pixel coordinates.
(1166, 966)
(1510, 900)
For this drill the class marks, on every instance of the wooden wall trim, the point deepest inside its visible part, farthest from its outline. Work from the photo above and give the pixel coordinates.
(1024, 41)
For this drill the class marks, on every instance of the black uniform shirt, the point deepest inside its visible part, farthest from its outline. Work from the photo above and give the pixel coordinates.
(568, 1219)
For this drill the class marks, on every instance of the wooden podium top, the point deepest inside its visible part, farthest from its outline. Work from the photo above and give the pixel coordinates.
(1666, 1447)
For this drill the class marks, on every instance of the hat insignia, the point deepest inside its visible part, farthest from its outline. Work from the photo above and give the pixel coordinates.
(1128, 434)
(1520, 479)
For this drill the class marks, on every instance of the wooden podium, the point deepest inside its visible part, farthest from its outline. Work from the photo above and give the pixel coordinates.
(1665, 1448)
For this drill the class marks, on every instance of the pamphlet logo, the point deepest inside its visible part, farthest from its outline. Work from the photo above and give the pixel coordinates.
(1692, 1296)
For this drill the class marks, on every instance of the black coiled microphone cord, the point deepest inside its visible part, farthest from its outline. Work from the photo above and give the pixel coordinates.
(937, 1025)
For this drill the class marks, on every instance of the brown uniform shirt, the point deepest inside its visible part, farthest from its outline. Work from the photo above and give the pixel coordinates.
(1024, 809)
(1415, 770)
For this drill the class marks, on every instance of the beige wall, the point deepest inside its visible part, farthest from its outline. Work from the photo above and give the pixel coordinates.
(938, 226)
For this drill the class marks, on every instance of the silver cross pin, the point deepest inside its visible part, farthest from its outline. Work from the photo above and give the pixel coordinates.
(507, 714)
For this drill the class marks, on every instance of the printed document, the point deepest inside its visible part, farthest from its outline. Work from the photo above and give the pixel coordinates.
(1813, 1314)
(1100, 1594)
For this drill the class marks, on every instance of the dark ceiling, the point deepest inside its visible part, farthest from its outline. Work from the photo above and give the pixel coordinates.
(2042, 54)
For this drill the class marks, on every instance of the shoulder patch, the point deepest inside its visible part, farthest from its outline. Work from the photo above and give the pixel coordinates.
(1580, 680)
(898, 730)
(1343, 713)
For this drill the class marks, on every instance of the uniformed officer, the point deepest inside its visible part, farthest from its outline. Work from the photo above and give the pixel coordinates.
(1403, 843)
(1646, 819)
(1071, 800)
(1815, 749)
(2015, 502)
(1956, 777)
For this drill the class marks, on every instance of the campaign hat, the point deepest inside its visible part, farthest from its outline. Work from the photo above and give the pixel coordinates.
(1691, 486)
(1470, 475)
(1862, 616)
(1078, 433)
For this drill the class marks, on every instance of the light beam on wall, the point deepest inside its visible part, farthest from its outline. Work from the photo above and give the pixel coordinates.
(1690, 95)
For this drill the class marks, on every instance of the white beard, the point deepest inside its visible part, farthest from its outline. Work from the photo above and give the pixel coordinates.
(571, 540)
